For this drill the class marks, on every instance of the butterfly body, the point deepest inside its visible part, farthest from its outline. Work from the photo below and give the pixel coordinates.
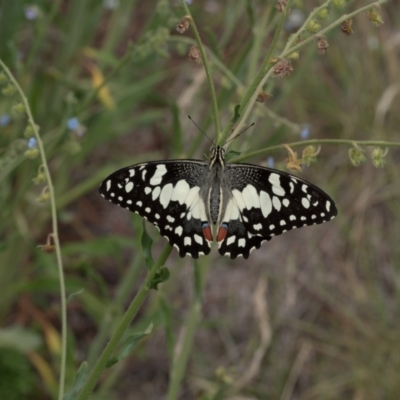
(247, 203)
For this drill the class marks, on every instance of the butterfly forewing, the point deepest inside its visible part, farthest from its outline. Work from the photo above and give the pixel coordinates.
(266, 203)
(166, 193)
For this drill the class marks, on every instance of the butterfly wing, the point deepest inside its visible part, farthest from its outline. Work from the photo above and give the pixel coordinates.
(167, 194)
(265, 202)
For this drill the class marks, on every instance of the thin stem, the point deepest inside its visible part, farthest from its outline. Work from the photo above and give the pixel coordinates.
(250, 96)
(343, 18)
(55, 229)
(208, 72)
(367, 143)
(123, 325)
(186, 342)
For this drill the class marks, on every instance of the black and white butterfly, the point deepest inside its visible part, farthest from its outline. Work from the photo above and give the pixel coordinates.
(248, 204)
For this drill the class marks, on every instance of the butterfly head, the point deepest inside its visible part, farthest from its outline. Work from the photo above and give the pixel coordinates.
(217, 156)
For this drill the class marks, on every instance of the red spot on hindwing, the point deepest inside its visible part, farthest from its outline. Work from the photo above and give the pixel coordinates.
(222, 232)
(207, 233)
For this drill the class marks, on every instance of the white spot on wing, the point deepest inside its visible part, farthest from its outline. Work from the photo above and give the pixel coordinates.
(230, 240)
(179, 230)
(132, 172)
(305, 202)
(276, 203)
(250, 197)
(285, 202)
(156, 179)
(129, 202)
(187, 241)
(275, 181)
(156, 192)
(139, 203)
(304, 188)
(242, 242)
(128, 187)
(170, 219)
(147, 190)
(265, 203)
(291, 187)
(108, 185)
(147, 209)
(257, 227)
(198, 238)
(283, 222)
(144, 174)
(157, 216)
(239, 199)
(328, 205)
(180, 192)
(271, 227)
(165, 195)
(292, 217)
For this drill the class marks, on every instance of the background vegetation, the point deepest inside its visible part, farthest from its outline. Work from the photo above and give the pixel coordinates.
(313, 314)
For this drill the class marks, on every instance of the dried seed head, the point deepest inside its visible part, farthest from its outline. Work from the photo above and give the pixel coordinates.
(183, 24)
(346, 27)
(281, 5)
(293, 162)
(194, 54)
(322, 44)
(263, 97)
(282, 68)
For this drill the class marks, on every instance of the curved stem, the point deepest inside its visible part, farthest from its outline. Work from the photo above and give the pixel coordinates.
(55, 229)
(208, 72)
(368, 143)
(123, 325)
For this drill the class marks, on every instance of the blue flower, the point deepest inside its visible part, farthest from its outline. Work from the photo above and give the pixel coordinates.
(32, 143)
(305, 132)
(73, 124)
(294, 20)
(271, 162)
(5, 119)
(32, 12)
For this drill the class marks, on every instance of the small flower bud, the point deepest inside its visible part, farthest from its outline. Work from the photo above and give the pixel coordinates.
(263, 97)
(346, 27)
(282, 68)
(31, 153)
(9, 90)
(183, 24)
(375, 16)
(195, 55)
(339, 3)
(322, 44)
(281, 5)
(3, 78)
(18, 109)
(294, 56)
(40, 178)
(313, 26)
(44, 196)
(310, 154)
(323, 13)
(357, 156)
(378, 157)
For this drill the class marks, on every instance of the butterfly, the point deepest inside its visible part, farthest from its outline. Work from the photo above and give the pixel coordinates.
(248, 204)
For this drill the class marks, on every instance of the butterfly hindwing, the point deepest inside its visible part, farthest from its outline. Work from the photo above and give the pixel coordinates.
(265, 203)
(167, 194)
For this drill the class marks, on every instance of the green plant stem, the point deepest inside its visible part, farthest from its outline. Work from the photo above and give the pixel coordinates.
(55, 229)
(208, 71)
(186, 343)
(368, 143)
(343, 18)
(123, 325)
(253, 90)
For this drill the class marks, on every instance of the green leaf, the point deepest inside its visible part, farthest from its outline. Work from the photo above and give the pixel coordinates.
(147, 242)
(236, 116)
(72, 295)
(232, 154)
(128, 346)
(79, 381)
(161, 276)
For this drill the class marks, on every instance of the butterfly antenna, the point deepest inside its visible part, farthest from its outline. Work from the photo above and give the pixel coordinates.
(236, 136)
(201, 130)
